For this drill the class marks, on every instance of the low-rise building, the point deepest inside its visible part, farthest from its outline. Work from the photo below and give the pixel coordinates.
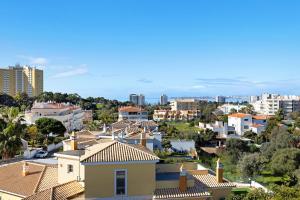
(246, 122)
(32, 181)
(116, 170)
(132, 113)
(71, 116)
(227, 108)
(172, 115)
(184, 104)
(219, 127)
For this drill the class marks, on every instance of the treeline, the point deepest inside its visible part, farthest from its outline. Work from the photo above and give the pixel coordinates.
(23, 101)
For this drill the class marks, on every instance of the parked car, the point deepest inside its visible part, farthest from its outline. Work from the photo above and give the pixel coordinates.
(41, 154)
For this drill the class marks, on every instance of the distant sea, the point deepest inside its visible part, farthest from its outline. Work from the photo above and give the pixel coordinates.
(234, 99)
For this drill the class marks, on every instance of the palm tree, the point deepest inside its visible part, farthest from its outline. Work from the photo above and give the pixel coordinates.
(10, 140)
(11, 130)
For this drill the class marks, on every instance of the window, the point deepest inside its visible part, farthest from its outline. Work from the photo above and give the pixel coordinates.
(70, 168)
(246, 120)
(120, 182)
(246, 127)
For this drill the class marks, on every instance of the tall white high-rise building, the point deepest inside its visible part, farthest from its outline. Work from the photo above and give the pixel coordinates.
(137, 99)
(220, 99)
(163, 99)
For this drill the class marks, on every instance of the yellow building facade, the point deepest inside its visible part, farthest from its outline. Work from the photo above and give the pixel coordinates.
(17, 79)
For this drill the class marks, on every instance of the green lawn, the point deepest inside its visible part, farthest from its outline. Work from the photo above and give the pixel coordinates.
(184, 127)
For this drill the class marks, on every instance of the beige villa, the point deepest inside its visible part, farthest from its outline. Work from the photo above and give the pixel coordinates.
(111, 170)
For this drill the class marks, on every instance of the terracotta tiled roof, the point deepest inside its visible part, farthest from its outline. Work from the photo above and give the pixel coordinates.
(239, 115)
(260, 117)
(117, 152)
(175, 193)
(12, 181)
(48, 179)
(130, 109)
(256, 125)
(210, 181)
(59, 192)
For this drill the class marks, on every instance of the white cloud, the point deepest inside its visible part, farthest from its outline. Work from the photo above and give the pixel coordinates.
(35, 60)
(198, 86)
(72, 72)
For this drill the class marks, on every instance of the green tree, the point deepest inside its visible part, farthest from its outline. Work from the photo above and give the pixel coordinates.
(251, 165)
(166, 144)
(249, 109)
(49, 125)
(10, 140)
(285, 161)
(235, 148)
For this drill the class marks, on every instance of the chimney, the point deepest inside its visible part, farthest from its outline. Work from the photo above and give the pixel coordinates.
(143, 139)
(104, 128)
(73, 141)
(25, 169)
(182, 179)
(219, 171)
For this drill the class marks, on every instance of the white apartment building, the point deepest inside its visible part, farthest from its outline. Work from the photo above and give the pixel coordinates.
(163, 99)
(269, 104)
(184, 104)
(132, 113)
(171, 115)
(246, 122)
(241, 122)
(220, 99)
(72, 117)
(137, 99)
(226, 108)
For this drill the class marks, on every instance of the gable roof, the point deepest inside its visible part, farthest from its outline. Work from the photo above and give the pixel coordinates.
(239, 115)
(117, 152)
(131, 109)
(12, 180)
(63, 191)
(210, 181)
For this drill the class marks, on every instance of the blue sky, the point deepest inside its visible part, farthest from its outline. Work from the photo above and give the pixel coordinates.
(181, 48)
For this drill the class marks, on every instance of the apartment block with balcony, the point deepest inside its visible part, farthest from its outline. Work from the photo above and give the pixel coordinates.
(172, 115)
(17, 79)
(72, 117)
(269, 104)
(132, 113)
(184, 104)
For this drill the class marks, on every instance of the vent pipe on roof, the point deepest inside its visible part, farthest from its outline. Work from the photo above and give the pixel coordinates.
(183, 179)
(25, 169)
(219, 171)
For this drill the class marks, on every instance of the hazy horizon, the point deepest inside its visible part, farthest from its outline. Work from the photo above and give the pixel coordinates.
(199, 48)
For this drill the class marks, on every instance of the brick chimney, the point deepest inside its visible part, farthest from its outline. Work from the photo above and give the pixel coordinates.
(182, 179)
(73, 141)
(219, 171)
(143, 139)
(25, 169)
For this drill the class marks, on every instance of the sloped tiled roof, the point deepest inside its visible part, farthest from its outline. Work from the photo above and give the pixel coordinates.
(130, 109)
(175, 193)
(59, 192)
(12, 181)
(117, 152)
(239, 115)
(210, 181)
(49, 179)
(261, 117)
